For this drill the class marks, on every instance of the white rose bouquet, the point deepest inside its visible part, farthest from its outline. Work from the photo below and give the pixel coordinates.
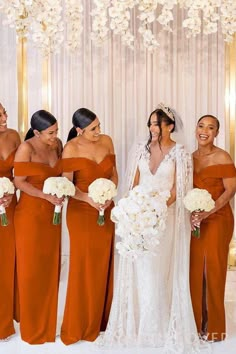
(141, 221)
(198, 200)
(61, 187)
(102, 190)
(6, 187)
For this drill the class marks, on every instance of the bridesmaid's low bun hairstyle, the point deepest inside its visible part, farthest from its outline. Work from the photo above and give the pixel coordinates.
(72, 134)
(81, 119)
(29, 134)
(40, 121)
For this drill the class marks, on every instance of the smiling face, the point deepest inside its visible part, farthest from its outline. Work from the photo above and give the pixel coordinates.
(49, 135)
(206, 131)
(92, 131)
(155, 128)
(3, 119)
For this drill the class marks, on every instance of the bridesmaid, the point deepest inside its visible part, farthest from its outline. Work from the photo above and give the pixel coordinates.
(87, 156)
(9, 141)
(214, 171)
(37, 239)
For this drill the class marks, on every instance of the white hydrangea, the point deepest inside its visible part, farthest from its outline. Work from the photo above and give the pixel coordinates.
(102, 190)
(198, 200)
(6, 186)
(59, 186)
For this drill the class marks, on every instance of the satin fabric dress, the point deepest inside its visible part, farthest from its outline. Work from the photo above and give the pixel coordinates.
(7, 258)
(38, 256)
(211, 251)
(90, 283)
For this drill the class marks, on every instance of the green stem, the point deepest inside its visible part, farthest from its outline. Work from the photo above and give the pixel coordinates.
(4, 221)
(196, 232)
(101, 220)
(56, 218)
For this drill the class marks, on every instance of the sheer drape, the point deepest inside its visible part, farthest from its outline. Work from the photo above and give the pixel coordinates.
(8, 73)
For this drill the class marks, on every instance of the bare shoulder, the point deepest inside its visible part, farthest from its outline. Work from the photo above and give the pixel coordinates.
(222, 157)
(107, 141)
(24, 151)
(13, 135)
(70, 148)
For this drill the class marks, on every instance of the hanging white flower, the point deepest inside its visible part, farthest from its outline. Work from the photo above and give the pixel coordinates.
(119, 13)
(99, 15)
(74, 23)
(51, 22)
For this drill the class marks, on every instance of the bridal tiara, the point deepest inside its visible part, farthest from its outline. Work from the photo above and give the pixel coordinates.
(167, 111)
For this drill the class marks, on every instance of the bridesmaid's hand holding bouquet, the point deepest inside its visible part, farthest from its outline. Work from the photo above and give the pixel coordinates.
(6, 188)
(60, 187)
(101, 191)
(198, 200)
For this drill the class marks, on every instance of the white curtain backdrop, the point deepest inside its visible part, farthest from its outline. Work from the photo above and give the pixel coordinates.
(122, 87)
(8, 73)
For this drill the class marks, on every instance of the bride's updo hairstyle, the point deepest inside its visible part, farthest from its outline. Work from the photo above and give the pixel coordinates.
(164, 114)
(210, 116)
(40, 121)
(81, 119)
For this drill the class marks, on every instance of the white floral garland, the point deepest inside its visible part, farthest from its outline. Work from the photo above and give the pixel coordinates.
(47, 27)
(43, 20)
(100, 27)
(119, 13)
(74, 21)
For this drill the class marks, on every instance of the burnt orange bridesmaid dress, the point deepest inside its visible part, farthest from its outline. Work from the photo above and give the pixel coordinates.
(90, 283)
(38, 256)
(7, 258)
(210, 251)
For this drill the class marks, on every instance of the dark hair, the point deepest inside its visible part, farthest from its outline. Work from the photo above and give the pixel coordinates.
(40, 120)
(161, 117)
(211, 116)
(81, 119)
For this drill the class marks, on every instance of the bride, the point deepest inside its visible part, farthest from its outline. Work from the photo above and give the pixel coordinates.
(151, 305)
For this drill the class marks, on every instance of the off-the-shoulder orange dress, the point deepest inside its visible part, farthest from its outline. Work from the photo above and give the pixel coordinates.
(7, 258)
(211, 251)
(90, 283)
(38, 256)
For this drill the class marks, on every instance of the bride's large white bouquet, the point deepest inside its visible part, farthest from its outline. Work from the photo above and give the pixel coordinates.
(102, 190)
(198, 200)
(141, 220)
(61, 187)
(6, 187)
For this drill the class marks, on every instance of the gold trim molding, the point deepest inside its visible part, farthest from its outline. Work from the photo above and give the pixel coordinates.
(22, 76)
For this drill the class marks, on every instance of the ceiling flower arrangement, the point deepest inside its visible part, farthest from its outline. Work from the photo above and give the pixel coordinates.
(51, 22)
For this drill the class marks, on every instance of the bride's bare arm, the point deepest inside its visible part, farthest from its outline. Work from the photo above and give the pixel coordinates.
(172, 198)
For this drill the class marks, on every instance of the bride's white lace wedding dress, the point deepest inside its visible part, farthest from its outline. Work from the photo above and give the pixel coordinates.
(151, 305)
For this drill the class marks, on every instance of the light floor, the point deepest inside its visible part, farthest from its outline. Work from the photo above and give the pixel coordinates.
(16, 346)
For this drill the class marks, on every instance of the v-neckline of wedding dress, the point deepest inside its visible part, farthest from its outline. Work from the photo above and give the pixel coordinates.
(162, 161)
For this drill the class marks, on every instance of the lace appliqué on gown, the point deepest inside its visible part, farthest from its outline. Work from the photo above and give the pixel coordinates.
(151, 304)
